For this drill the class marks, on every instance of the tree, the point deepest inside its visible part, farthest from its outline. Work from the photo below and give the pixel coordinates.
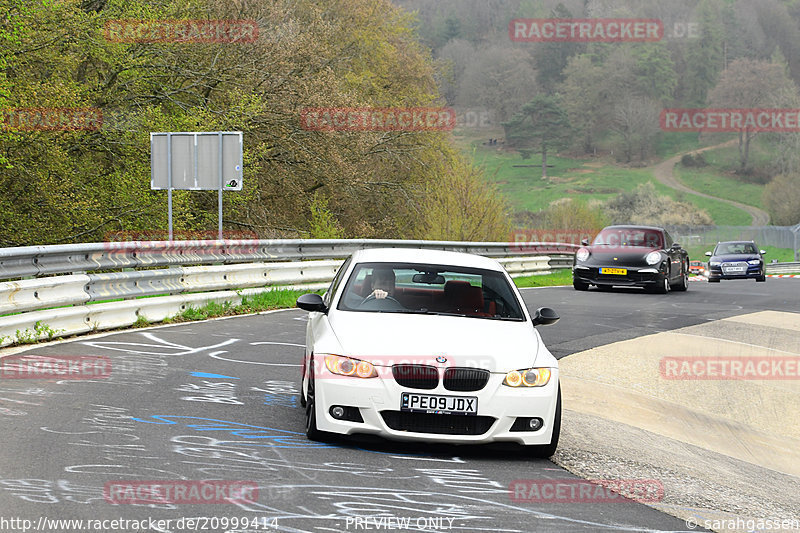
(752, 84)
(541, 123)
(636, 122)
(782, 199)
(499, 79)
(585, 100)
(654, 71)
(552, 57)
(704, 57)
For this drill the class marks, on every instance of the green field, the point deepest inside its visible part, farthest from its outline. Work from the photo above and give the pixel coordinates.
(520, 180)
(708, 181)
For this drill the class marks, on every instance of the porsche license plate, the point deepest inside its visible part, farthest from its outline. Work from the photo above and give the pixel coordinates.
(614, 271)
(435, 403)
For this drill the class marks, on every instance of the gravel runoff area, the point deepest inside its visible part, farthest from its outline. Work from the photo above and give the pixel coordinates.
(727, 452)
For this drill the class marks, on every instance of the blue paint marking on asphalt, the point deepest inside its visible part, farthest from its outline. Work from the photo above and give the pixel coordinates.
(280, 438)
(207, 375)
(280, 400)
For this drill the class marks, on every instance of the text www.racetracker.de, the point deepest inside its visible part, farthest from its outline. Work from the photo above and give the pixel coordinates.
(199, 523)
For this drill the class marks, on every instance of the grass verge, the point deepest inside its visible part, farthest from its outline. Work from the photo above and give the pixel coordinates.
(559, 277)
(264, 301)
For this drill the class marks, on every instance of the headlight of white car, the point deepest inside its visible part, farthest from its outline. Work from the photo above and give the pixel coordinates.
(346, 366)
(754, 262)
(653, 258)
(582, 254)
(530, 377)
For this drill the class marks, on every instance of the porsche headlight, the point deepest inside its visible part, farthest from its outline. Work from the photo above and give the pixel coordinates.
(530, 377)
(582, 254)
(346, 366)
(754, 262)
(653, 258)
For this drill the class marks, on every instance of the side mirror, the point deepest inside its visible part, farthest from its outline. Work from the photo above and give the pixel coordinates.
(708, 254)
(585, 242)
(763, 252)
(545, 316)
(311, 302)
(676, 246)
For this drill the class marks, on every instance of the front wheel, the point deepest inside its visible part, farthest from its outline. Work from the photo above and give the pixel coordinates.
(543, 451)
(579, 285)
(683, 284)
(661, 287)
(311, 410)
(762, 278)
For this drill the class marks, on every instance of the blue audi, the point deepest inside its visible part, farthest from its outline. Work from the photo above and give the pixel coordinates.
(736, 260)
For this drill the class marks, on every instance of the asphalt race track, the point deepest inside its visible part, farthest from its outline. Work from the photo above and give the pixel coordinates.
(219, 400)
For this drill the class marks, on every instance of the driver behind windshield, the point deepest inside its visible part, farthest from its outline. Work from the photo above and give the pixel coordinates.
(383, 281)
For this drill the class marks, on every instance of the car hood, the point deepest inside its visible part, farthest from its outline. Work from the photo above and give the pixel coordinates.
(623, 255)
(389, 338)
(735, 257)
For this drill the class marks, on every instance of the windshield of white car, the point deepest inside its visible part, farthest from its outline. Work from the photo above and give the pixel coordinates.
(412, 288)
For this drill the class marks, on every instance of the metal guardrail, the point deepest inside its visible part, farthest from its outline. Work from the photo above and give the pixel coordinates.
(230, 272)
(37, 261)
(782, 268)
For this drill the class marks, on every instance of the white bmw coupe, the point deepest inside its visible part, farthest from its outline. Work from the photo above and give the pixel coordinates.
(428, 345)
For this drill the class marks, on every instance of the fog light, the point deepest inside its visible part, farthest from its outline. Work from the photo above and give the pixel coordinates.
(346, 413)
(527, 424)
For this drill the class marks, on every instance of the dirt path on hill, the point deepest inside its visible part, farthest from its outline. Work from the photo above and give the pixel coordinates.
(664, 172)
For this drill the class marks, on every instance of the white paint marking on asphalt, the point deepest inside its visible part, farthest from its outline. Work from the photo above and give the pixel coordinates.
(736, 342)
(278, 343)
(215, 355)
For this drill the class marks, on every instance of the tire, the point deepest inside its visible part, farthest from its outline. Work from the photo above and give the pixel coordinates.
(302, 378)
(662, 287)
(762, 278)
(579, 285)
(683, 284)
(543, 451)
(311, 411)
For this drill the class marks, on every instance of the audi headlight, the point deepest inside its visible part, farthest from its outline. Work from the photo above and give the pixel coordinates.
(653, 258)
(714, 263)
(754, 262)
(346, 366)
(582, 254)
(530, 377)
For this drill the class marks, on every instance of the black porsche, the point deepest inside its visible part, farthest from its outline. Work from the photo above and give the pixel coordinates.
(632, 256)
(736, 260)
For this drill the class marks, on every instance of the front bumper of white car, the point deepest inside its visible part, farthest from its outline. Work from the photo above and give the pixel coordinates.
(503, 412)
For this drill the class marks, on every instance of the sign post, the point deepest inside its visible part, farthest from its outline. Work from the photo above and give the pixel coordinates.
(196, 161)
